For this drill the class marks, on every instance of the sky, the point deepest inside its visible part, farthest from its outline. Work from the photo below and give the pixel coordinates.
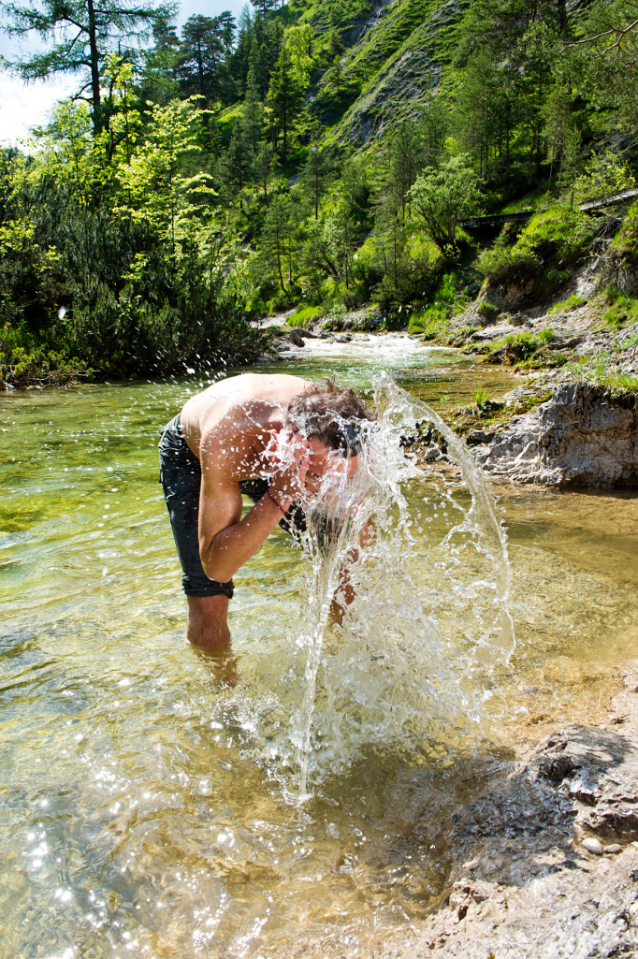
(24, 106)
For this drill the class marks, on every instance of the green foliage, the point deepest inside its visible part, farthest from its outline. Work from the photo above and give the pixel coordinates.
(442, 199)
(23, 362)
(487, 311)
(625, 244)
(623, 308)
(291, 158)
(482, 399)
(521, 347)
(599, 371)
(435, 319)
(553, 239)
(572, 302)
(303, 315)
(118, 260)
(80, 38)
(604, 176)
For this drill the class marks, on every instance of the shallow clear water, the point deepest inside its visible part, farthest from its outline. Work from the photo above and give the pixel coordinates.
(148, 801)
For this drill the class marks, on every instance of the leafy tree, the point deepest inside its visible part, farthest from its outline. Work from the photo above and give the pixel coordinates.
(81, 34)
(299, 41)
(444, 198)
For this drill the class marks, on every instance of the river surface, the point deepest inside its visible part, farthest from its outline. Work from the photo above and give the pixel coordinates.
(148, 793)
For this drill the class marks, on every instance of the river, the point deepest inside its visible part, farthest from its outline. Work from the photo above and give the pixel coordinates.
(148, 801)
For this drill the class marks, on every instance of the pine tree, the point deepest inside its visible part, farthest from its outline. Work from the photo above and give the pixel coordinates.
(81, 34)
(277, 239)
(205, 45)
(264, 167)
(253, 112)
(235, 165)
(315, 172)
(405, 162)
(285, 98)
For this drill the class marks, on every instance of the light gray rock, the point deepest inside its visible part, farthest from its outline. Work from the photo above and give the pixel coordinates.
(523, 886)
(582, 436)
(593, 845)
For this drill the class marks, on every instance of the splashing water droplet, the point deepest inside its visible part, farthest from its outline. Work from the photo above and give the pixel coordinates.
(417, 647)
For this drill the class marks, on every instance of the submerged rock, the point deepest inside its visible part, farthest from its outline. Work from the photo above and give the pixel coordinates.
(582, 436)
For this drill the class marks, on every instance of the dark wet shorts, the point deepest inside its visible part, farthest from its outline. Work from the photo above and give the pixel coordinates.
(181, 478)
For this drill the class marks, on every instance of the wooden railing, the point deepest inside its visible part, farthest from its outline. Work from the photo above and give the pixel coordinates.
(523, 215)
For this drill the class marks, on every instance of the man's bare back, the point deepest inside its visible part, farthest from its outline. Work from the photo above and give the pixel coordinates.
(249, 403)
(241, 429)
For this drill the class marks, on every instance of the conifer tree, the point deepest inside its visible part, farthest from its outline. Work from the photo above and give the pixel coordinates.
(278, 234)
(285, 98)
(253, 112)
(235, 165)
(264, 167)
(80, 35)
(206, 42)
(405, 162)
(433, 127)
(315, 171)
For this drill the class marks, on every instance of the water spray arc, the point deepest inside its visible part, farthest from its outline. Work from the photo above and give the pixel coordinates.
(441, 613)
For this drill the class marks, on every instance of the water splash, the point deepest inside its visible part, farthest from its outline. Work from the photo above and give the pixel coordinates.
(413, 656)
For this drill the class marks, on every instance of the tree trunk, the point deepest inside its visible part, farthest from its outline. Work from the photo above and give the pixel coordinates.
(95, 70)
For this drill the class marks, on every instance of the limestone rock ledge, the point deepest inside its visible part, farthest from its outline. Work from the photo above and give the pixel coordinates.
(582, 436)
(547, 860)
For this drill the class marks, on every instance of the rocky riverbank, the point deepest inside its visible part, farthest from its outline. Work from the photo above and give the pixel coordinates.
(575, 421)
(547, 858)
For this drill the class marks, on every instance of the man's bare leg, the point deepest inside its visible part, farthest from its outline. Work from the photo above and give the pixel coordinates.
(207, 623)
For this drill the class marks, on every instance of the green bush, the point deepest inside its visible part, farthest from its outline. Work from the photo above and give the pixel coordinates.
(626, 242)
(25, 363)
(551, 240)
(487, 311)
(521, 347)
(572, 302)
(304, 315)
(435, 319)
(432, 321)
(623, 308)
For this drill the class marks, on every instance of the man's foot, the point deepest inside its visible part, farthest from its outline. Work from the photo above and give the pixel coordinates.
(207, 623)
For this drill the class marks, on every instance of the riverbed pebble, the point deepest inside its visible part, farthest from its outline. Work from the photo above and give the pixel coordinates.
(614, 847)
(593, 845)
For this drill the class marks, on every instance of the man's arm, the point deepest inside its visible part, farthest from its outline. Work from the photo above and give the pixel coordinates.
(226, 541)
(366, 538)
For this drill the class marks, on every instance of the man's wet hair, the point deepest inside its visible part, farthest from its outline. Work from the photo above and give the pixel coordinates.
(334, 414)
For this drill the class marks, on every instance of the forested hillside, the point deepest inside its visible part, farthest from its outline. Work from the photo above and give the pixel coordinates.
(319, 155)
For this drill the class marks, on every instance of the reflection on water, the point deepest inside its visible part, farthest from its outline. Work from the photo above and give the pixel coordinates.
(143, 807)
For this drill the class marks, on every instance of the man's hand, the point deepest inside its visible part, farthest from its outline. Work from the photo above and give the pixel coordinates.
(288, 453)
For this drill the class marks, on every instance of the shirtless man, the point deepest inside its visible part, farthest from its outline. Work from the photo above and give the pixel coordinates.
(268, 436)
